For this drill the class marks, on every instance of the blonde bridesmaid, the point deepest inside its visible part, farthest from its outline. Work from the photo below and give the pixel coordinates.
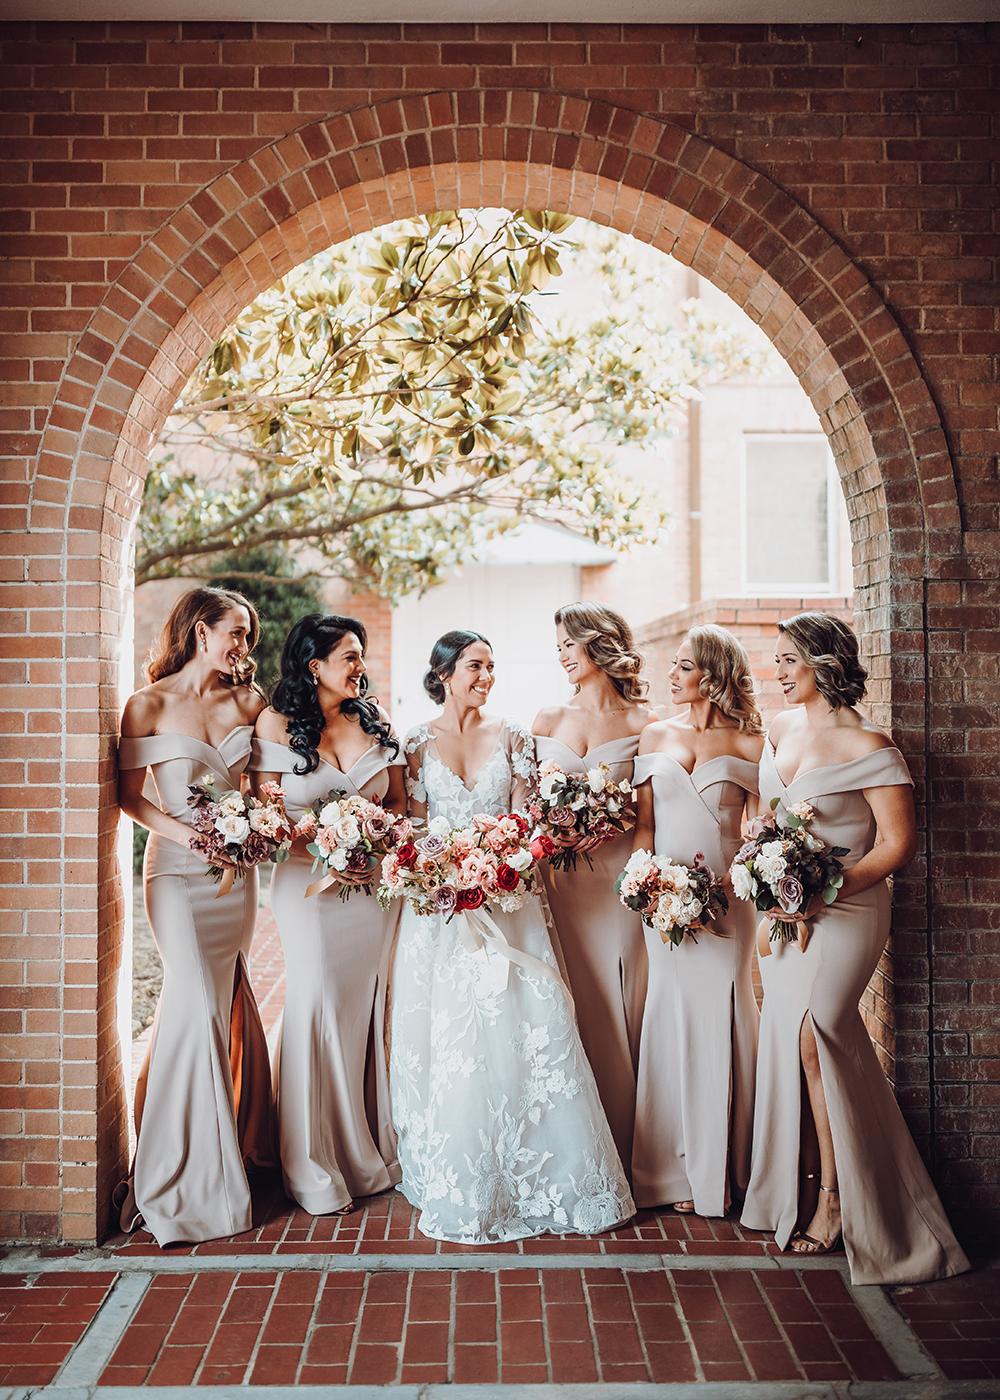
(697, 775)
(600, 942)
(321, 736)
(203, 1101)
(837, 1161)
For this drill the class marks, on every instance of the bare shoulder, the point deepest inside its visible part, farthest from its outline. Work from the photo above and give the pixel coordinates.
(250, 702)
(749, 746)
(780, 726)
(272, 726)
(547, 720)
(641, 717)
(653, 735)
(864, 739)
(142, 713)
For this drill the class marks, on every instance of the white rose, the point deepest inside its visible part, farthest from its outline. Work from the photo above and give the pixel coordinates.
(743, 882)
(233, 826)
(596, 779)
(550, 785)
(346, 832)
(338, 858)
(232, 802)
(520, 860)
(329, 814)
(438, 826)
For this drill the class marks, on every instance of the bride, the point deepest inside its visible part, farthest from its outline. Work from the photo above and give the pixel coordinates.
(501, 1130)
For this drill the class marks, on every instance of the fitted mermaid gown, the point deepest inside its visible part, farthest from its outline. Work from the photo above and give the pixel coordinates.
(697, 1056)
(895, 1229)
(206, 1107)
(500, 1125)
(335, 1132)
(601, 946)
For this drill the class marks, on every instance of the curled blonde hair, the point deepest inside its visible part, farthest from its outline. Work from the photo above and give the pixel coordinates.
(607, 639)
(727, 679)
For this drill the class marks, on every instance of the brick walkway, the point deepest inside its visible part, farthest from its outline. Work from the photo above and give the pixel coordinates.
(693, 1307)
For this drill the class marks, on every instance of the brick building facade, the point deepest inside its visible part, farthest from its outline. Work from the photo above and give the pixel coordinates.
(834, 180)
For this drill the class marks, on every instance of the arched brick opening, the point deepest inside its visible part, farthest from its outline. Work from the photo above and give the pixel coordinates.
(338, 177)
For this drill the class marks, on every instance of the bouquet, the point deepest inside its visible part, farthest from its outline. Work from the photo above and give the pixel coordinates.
(672, 898)
(572, 809)
(785, 867)
(350, 835)
(457, 870)
(246, 830)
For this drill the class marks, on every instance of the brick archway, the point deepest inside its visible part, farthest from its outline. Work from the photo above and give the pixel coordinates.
(337, 177)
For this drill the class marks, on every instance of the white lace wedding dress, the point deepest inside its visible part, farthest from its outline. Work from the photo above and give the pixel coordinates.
(501, 1130)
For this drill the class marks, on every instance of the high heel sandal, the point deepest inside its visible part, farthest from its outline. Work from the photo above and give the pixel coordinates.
(123, 1199)
(819, 1246)
(684, 1207)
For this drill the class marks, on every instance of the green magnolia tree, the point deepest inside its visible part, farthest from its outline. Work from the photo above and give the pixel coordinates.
(405, 394)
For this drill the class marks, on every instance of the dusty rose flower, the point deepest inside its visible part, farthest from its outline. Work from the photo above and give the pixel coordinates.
(431, 846)
(445, 899)
(255, 849)
(562, 816)
(790, 894)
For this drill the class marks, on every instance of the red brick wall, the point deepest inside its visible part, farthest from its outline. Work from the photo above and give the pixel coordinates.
(834, 181)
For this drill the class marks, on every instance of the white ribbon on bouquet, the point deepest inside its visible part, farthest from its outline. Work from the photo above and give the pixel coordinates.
(481, 934)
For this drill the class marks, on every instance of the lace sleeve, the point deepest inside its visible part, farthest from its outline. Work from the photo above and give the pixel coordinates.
(413, 749)
(524, 769)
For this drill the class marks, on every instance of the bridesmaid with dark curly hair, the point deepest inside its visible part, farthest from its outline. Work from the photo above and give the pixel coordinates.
(322, 736)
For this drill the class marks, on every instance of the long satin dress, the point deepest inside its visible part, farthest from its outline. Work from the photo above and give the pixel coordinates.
(895, 1229)
(334, 1125)
(203, 1106)
(501, 1131)
(698, 1052)
(601, 946)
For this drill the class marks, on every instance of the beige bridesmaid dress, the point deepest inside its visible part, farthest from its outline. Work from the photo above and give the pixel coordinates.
(698, 1051)
(334, 1126)
(203, 1101)
(895, 1229)
(601, 947)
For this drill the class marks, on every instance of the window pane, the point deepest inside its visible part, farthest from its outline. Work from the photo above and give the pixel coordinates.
(787, 526)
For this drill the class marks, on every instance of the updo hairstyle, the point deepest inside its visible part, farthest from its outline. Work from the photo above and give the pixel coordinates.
(831, 649)
(178, 641)
(445, 656)
(313, 638)
(607, 639)
(727, 679)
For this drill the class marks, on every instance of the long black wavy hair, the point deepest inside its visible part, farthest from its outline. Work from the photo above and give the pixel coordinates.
(313, 638)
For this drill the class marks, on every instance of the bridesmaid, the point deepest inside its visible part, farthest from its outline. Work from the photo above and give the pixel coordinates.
(203, 1101)
(321, 736)
(696, 775)
(871, 1186)
(600, 942)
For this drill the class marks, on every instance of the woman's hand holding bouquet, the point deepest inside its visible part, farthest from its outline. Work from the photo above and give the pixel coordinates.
(350, 838)
(674, 899)
(782, 869)
(575, 813)
(234, 833)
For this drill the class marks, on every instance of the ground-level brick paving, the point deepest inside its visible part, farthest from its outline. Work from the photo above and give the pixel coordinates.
(366, 1300)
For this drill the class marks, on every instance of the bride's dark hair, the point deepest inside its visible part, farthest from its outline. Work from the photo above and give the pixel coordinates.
(313, 638)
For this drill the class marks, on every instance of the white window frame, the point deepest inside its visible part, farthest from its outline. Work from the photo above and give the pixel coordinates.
(792, 589)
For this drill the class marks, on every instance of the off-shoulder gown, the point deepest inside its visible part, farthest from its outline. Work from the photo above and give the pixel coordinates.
(698, 1052)
(895, 1229)
(334, 1125)
(203, 1104)
(601, 946)
(501, 1130)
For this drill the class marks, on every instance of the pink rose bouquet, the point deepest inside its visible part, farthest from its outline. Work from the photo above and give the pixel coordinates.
(450, 870)
(244, 830)
(784, 867)
(674, 899)
(350, 837)
(574, 812)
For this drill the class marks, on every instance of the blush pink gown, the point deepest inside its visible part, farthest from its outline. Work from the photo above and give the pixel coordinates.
(601, 946)
(895, 1229)
(207, 1106)
(332, 1090)
(698, 1052)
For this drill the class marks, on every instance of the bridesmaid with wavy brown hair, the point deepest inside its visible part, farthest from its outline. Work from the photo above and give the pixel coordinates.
(837, 1161)
(600, 942)
(203, 1101)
